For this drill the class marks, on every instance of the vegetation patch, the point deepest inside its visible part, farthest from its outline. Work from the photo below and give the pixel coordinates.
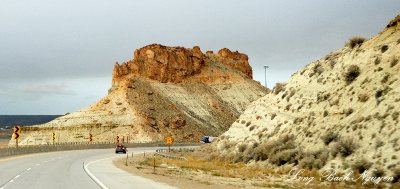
(355, 42)
(352, 73)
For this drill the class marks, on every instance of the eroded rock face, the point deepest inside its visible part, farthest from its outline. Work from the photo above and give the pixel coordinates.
(161, 63)
(236, 60)
(173, 64)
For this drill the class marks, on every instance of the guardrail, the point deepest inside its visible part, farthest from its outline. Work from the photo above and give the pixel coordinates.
(10, 151)
(169, 156)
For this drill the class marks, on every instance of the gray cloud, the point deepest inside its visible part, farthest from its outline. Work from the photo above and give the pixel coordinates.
(46, 41)
(36, 90)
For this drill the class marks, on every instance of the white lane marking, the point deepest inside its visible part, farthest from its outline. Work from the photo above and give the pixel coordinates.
(29, 169)
(94, 178)
(12, 180)
(17, 176)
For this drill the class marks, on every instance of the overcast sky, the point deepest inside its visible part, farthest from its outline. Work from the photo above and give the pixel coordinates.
(57, 56)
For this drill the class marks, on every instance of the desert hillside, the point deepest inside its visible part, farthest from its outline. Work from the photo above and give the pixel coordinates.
(163, 91)
(341, 112)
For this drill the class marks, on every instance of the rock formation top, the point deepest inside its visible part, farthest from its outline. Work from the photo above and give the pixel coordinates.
(174, 64)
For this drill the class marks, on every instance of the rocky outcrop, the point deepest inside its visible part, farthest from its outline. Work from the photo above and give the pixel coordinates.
(161, 63)
(236, 60)
(174, 64)
(163, 91)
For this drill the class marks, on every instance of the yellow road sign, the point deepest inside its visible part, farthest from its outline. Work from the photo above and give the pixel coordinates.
(54, 136)
(169, 140)
(117, 139)
(17, 132)
(90, 137)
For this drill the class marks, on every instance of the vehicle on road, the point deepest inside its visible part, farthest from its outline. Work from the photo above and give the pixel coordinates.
(120, 148)
(207, 139)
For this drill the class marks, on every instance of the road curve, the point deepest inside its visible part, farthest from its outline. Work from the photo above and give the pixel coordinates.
(71, 169)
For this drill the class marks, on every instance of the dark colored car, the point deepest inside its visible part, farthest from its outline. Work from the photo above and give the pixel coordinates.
(120, 148)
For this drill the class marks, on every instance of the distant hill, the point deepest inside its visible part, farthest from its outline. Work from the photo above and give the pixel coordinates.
(25, 120)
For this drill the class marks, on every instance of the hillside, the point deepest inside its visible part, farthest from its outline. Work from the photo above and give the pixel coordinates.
(341, 112)
(163, 91)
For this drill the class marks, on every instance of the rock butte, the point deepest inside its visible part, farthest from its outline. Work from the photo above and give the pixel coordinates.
(163, 91)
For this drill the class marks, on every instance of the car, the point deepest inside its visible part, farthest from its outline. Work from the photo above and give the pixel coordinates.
(207, 139)
(120, 148)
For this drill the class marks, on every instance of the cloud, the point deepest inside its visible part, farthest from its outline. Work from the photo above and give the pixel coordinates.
(47, 89)
(36, 90)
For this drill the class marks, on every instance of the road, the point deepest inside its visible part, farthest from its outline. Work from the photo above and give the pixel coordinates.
(89, 169)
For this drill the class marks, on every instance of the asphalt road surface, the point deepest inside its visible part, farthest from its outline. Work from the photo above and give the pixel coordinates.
(86, 169)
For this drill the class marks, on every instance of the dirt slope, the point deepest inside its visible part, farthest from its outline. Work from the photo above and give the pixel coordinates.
(341, 111)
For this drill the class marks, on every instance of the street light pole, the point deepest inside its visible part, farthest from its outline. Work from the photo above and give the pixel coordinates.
(265, 68)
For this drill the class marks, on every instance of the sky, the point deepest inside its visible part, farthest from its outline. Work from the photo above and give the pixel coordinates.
(57, 56)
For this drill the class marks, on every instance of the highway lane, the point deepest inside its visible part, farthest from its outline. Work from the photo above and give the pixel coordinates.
(63, 170)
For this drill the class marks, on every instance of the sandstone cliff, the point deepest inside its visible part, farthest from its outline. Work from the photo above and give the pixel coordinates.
(341, 112)
(163, 91)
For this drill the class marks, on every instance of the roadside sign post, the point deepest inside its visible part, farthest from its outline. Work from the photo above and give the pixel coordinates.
(17, 133)
(169, 140)
(117, 140)
(54, 137)
(126, 162)
(154, 163)
(90, 137)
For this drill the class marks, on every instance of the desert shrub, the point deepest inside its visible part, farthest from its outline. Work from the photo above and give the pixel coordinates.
(377, 60)
(394, 62)
(270, 148)
(384, 48)
(363, 97)
(325, 113)
(361, 165)
(395, 115)
(297, 120)
(344, 147)
(252, 127)
(288, 107)
(396, 175)
(381, 92)
(378, 172)
(348, 111)
(227, 144)
(385, 78)
(243, 122)
(355, 41)
(379, 143)
(273, 116)
(329, 137)
(279, 87)
(316, 159)
(283, 157)
(248, 123)
(352, 73)
(242, 147)
(318, 69)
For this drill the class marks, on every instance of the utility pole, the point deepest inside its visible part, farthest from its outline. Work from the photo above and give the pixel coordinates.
(265, 68)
